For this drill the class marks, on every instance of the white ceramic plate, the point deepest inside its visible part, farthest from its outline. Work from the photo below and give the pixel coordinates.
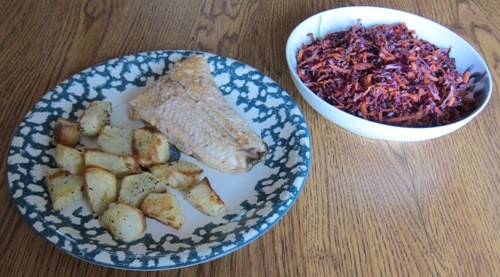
(256, 200)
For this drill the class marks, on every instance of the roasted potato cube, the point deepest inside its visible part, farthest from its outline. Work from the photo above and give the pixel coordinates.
(136, 187)
(179, 175)
(118, 165)
(123, 221)
(165, 208)
(95, 117)
(100, 186)
(69, 159)
(64, 188)
(116, 140)
(150, 146)
(205, 199)
(66, 132)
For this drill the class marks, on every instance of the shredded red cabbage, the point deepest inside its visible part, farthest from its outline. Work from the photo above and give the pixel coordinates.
(385, 74)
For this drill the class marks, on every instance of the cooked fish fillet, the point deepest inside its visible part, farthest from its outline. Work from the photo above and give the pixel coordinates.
(189, 108)
(194, 76)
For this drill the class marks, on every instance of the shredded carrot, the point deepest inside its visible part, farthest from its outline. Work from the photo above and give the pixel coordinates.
(338, 68)
(364, 111)
(465, 78)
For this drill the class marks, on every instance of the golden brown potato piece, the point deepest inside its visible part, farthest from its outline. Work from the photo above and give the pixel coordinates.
(205, 199)
(179, 175)
(136, 187)
(118, 165)
(116, 140)
(165, 208)
(123, 221)
(66, 132)
(95, 117)
(100, 186)
(69, 159)
(150, 146)
(64, 188)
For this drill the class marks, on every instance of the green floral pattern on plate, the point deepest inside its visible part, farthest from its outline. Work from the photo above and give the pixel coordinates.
(269, 190)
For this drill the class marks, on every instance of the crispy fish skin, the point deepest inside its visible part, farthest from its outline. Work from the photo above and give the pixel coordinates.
(197, 119)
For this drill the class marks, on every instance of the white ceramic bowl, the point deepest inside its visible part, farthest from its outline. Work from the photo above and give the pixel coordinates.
(341, 19)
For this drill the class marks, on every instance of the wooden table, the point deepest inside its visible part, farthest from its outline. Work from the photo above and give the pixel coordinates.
(369, 207)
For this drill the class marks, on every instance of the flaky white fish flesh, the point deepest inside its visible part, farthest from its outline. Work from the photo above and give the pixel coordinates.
(189, 108)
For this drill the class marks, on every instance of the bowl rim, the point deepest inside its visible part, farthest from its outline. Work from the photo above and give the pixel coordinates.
(305, 89)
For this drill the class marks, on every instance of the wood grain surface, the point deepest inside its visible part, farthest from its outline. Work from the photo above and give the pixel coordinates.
(369, 208)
